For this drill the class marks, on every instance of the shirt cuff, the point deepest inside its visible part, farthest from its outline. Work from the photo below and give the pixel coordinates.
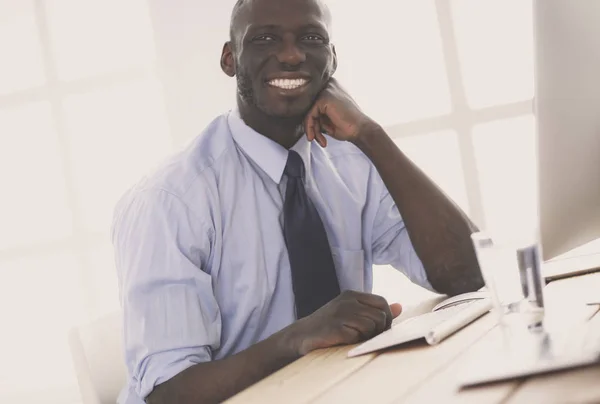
(162, 367)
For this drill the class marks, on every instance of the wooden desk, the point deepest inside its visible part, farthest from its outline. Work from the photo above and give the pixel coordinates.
(418, 373)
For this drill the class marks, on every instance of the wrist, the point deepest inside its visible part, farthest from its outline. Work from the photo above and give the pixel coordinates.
(291, 341)
(369, 135)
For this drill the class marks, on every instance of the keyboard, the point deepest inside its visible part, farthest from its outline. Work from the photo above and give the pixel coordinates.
(574, 348)
(432, 327)
(582, 339)
(591, 341)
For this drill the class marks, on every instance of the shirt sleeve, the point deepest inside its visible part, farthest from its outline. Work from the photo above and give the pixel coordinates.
(392, 244)
(171, 317)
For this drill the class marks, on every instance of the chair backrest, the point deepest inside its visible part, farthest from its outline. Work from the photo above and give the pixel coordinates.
(97, 352)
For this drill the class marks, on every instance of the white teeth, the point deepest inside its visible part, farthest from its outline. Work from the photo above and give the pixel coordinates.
(288, 84)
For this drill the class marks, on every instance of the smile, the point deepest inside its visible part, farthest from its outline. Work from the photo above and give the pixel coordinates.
(288, 84)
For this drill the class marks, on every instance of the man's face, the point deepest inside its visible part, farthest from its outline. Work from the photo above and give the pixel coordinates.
(282, 55)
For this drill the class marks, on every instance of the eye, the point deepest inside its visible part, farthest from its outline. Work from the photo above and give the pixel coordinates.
(263, 38)
(313, 38)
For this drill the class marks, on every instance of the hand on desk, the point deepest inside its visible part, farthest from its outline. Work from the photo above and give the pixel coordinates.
(350, 318)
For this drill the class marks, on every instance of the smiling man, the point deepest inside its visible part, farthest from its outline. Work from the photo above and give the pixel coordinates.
(255, 245)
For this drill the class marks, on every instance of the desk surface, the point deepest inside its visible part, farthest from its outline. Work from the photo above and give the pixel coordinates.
(418, 373)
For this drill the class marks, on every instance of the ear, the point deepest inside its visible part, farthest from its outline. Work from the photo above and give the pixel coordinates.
(227, 62)
(334, 63)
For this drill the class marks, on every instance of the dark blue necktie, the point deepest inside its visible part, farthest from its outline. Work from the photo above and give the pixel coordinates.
(313, 273)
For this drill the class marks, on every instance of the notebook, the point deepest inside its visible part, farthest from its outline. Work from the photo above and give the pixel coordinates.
(445, 319)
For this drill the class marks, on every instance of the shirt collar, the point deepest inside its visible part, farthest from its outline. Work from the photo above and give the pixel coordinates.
(270, 156)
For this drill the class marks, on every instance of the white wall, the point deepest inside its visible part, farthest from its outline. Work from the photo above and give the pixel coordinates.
(189, 36)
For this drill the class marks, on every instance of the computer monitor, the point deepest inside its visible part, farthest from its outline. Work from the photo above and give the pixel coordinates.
(567, 110)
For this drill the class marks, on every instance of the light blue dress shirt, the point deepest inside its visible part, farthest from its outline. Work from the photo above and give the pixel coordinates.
(200, 253)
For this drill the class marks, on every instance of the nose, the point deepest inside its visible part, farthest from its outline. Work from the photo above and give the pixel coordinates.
(290, 54)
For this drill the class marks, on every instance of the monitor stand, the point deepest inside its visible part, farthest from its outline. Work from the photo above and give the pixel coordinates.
(579, 261)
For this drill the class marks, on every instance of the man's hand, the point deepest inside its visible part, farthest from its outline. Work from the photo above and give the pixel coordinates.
(350, 318)
(336, 114)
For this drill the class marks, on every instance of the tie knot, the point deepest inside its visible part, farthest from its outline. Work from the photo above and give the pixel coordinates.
(294, 166)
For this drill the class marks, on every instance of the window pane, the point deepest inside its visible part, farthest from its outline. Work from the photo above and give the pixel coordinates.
(40, 299)
(34, 206)
(91, 37)
(20, 52)
(495, 43)
(104, 288)
(116, 136)
(506, 161)
(392, 63)
(438, 155)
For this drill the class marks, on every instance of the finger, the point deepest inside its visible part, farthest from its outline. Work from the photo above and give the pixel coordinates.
(378, 317)
(326, 124)
(318, 130)
(364, 319)
(328, 128)
(350, 335)
(308, 127)
(370, 299)
(333, 115)
(322, 140)
(377, 302)
(365, 327)
(396, 309)
(317, 113)
(312, 119)
(321, 126)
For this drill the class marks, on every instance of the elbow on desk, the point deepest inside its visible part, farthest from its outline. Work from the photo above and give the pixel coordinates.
(455, 280)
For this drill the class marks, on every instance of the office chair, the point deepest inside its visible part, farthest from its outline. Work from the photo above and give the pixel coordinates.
(97, 353)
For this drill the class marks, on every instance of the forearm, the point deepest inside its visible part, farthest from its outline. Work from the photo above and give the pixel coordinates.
(438, 228)
(215, 381)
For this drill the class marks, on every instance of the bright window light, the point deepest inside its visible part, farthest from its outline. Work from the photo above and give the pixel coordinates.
(438, 155)
(495, 43)
(21, 64)
(104, 292)
(94, 37)
(506, 161)
(40, 299)
(392, 63)
(34, 206)
(116, 136)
